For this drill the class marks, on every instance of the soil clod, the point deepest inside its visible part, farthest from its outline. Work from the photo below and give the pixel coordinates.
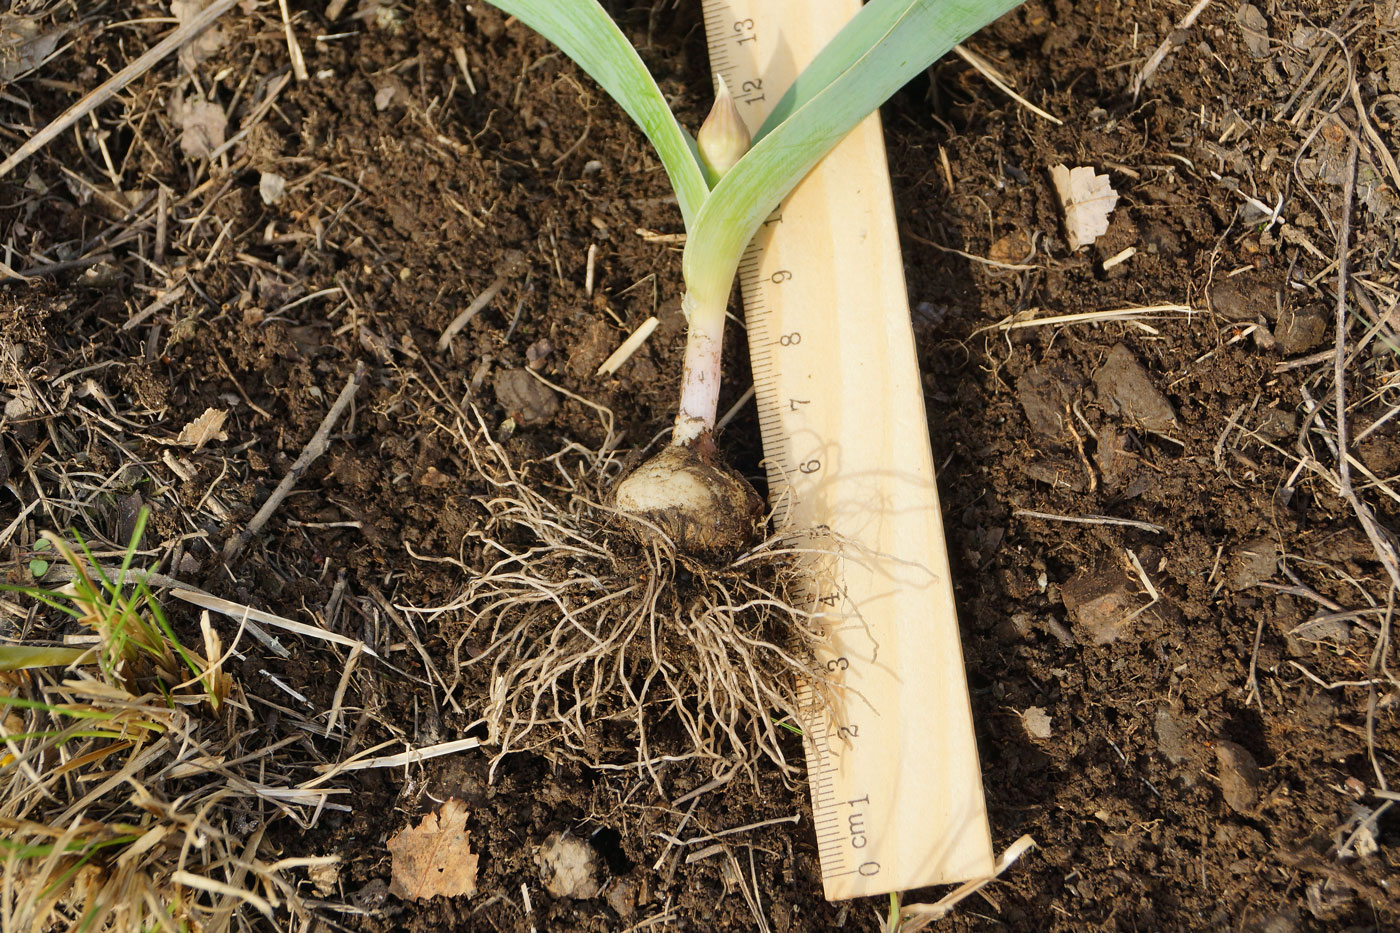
(568, 867)
(1124, 384)
(525, 398)
(1239, 776)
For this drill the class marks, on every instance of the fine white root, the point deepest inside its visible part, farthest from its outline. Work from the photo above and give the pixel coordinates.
(615, 649)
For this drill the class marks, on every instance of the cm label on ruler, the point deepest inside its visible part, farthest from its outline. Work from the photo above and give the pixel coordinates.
(746, 87)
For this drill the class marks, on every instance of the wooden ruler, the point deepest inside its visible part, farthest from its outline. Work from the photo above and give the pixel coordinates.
(896, 787)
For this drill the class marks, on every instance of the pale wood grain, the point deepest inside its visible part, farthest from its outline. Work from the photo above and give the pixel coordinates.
(899, 792)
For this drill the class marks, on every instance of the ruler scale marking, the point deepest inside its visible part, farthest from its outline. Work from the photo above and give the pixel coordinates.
(896, 789)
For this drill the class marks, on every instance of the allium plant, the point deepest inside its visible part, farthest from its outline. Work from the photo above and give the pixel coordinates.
(727, 183)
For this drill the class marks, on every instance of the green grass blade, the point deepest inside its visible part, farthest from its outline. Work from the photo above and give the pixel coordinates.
(585, 33)
(156, 613)
(44, 850)
(900, 39)
(66, 734)
(49, 598)
(92, 562)
(24, 657)
(78, 713)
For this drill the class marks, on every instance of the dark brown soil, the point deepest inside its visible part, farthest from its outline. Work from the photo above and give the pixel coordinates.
(1207, 762)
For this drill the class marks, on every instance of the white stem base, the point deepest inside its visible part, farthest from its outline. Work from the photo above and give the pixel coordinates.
(700, 377)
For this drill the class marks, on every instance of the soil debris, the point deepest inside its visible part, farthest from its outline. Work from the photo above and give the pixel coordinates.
(207, 427)
(1088, 199)
(203, 124)
(622, 898)
(568, 867)
(1058, 473)
(1037, 722)
(1106, 602)
(1244, 298)
(1253, 563)
(24, 44)
(271, 188)
(1045, 400)
(1302, 330)
(1124, 384)
(1239, 776)
(1255, 28)
(1171, 737)
(524, 398)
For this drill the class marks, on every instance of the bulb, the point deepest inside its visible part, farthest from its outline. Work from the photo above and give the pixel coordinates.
(706, 508)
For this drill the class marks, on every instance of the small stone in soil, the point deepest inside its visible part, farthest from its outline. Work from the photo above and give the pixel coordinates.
(1302, 330)
(1255, 29)
(1239, 776)
(1244, 298)
(1045, 400)
(1124, 384)
(568, 867)
(1253, 563)
(524, 397)
(1100, 602)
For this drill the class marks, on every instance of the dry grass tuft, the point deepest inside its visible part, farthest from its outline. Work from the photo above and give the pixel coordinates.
(620, 654)
(133, 793)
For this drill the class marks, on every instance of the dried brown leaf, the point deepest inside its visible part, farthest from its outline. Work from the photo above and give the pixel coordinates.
(203, 45)
(24, 45)
(207, 427)
(434, 858)
(1088, 199)
(203, 125)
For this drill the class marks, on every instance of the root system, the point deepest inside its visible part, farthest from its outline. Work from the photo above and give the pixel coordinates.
(619, 653)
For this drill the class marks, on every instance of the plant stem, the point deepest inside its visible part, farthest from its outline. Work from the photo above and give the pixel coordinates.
(700, 376)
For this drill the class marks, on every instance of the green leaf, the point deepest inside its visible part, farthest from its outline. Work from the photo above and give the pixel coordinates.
(876, 54)
(23, 657)
(585, 33)
(37, 565)
(864, 31)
